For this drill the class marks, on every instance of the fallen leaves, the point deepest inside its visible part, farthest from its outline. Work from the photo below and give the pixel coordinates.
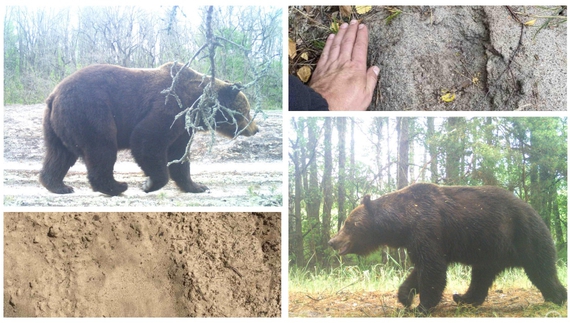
(292, 48)
(313, 24)
(448, 97)
(530, 22)
(363, 9)
(304, 73)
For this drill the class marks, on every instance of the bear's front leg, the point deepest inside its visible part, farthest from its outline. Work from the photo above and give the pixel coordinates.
(180, 172)
(409, 289)
(149, 143)
(431, 282)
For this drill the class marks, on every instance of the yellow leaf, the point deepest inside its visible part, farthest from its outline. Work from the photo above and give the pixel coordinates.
(449, 97)
(345, 11)
(363, 9)
(334, 27)
(304, 73)
(292, 48)
(305, 56)
(530, 22)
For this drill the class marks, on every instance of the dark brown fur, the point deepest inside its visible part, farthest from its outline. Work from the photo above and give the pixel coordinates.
(486, 227)
(103, 108)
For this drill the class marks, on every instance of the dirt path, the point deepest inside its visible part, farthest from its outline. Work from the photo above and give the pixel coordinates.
(240, 172)
(499, 303)
(142, 264)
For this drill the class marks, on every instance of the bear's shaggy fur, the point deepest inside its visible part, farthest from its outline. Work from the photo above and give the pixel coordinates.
(103, 108)
(486, 227)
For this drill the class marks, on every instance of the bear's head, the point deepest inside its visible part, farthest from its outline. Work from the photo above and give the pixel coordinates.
(231, 96)
(191, 84)
(357, 235)
(372, 224)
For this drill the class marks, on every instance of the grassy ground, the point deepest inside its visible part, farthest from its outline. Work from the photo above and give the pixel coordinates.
(351, 291)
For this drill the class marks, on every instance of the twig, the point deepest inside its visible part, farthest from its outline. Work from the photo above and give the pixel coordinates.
(227, 265)
(345, 287)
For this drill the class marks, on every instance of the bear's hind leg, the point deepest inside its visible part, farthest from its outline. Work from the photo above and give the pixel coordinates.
(543, 275)
(57, 162)
(481, 280)
(100, 161)
(180, 172)
(408, 289)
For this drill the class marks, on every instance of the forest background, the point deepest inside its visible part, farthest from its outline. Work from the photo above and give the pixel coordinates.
(42, 45)
(334, 162)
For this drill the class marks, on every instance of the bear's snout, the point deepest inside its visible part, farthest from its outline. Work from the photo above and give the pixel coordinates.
(251, 130)
(333, 242)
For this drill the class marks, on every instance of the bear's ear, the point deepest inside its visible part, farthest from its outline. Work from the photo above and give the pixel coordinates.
(368, 204)
(228, 92)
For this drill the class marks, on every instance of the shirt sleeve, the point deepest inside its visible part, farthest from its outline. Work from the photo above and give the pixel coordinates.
(303, 98)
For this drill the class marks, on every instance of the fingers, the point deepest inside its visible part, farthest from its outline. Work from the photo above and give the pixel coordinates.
(360, 50)
(347, 41)
(325, 55)
(335, 46)
(372, 78)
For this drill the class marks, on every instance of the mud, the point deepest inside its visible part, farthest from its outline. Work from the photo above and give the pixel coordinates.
(142, 264)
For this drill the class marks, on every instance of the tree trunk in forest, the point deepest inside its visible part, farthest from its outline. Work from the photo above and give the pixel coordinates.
(378, 126)
(432, 147)
(297, 236)
(341, 128)
(353, 163)
(327, 194)
(312, 194)
(453, 152)
(402, 127)
(403, 151)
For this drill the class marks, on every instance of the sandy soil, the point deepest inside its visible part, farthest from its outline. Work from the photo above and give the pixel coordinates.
(246, 171)
(515, 302)
(142, 264)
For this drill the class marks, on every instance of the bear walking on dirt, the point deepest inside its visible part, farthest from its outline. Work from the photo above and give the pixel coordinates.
(486, 227)
(101, 109)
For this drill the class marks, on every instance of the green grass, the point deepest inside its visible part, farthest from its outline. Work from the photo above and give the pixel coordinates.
(350, 278)
(389, 278)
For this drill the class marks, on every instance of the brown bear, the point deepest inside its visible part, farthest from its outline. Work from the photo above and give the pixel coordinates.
(486, 227)
(103, 108)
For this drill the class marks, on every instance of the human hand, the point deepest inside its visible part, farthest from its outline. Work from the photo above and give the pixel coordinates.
(341, 76)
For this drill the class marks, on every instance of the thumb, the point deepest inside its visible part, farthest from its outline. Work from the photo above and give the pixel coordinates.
(372, 78)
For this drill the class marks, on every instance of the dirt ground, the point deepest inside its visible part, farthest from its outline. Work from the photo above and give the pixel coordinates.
(246, 171)
(499, 303)
(142, 264)
(493, 58)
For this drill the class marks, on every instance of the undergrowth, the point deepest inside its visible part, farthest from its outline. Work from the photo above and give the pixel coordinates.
(389, 277)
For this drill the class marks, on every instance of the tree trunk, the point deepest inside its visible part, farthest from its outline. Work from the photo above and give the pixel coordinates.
(327, 194)
(403, 151)
(341, 128)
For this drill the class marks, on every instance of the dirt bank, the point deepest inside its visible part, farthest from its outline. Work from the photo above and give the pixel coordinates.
(142, 264)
